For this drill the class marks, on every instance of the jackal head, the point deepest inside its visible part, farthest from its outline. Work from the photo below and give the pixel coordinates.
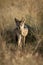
(20, 23)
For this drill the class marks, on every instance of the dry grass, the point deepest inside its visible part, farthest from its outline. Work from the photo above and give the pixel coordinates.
(32, 10)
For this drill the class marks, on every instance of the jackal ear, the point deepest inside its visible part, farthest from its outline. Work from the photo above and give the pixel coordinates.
(23, 19)
(16, 20)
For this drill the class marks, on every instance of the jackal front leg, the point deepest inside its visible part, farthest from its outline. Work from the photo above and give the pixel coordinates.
(19, 41)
